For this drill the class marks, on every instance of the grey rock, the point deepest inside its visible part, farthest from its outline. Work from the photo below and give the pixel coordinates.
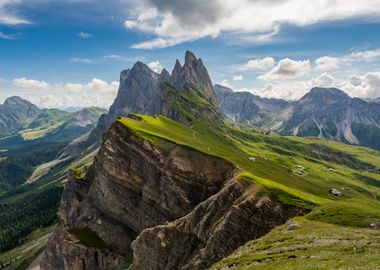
(141, 92)
(171, 208)
(244, 107)
(330, 113)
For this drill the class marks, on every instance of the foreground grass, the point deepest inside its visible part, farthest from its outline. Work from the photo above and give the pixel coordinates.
(335, 234)
(314, 246)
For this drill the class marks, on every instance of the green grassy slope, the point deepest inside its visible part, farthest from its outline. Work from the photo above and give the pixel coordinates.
(314, 246)
(338, 224)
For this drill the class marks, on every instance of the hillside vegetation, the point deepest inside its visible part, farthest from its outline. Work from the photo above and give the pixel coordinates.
(297, 171)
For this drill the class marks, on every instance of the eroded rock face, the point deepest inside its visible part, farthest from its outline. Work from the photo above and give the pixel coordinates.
(212, 231)
(132, 185)
(64, 252)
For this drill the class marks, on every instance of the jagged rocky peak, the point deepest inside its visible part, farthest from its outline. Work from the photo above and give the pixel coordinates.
(323, 95)
(193, 74)
(165, 75)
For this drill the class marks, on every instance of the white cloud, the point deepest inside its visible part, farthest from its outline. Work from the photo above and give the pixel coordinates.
(80, 60)
(84, 35)
(262, 64)
(287, 69)
(326, 63)
(173, 22)
(74, 87)
(225, 83)
(367, 86)
(156, 66)
(323, 80)
(112, 57)
(24, 82)
(7, 16)
(367, 56)
(101, 86)
(7, 36)
(238, 78)
(294, 90)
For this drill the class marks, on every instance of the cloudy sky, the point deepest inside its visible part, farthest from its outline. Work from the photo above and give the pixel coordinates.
(60, 53)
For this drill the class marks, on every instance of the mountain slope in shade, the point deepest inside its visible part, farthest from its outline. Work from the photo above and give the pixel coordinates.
(15, 113)
(144, 91)
(244, 107)
(330, 113)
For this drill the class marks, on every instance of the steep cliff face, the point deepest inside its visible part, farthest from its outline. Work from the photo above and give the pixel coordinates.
(158, 206)
(141, 91)
(133, 185)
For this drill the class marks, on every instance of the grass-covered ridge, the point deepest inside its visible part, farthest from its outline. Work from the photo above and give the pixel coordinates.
(314, 245)
(325, 166)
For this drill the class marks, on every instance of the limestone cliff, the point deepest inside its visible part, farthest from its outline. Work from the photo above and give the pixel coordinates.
(157, 206)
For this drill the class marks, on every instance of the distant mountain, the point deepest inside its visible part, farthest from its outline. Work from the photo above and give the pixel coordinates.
(144, 91)
(330, 113)
(244, 107)
(19, 117)
(15, 114)
(323, 112)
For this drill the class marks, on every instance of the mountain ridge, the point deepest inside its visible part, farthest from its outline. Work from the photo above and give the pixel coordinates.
(327, 113)
(143, 91)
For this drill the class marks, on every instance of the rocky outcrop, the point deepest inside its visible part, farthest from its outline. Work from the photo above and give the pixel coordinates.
(141, 91)
(164, 205)
(238, 213)
(244, 107)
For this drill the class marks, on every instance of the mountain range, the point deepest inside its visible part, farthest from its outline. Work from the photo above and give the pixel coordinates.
(20, 117)
(30, 136)
(175, 186)
(323, 112)
(144, 91)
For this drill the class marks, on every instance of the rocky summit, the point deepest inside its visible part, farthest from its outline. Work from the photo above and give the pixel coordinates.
(144, 91)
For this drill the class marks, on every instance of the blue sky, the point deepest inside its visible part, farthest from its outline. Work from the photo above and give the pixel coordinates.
(61, 53)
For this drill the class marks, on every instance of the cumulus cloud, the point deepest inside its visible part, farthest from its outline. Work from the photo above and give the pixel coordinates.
(80, 60)
(156, 66)
(367, 85)
(24, 82)
(74, 87)
(238, 78)
(96, 92)
(225, 83)
(84, 35)
(326, 63)
(294, 90)
(287, 69)
(262, 64)
(173, 21)
(101, 86)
